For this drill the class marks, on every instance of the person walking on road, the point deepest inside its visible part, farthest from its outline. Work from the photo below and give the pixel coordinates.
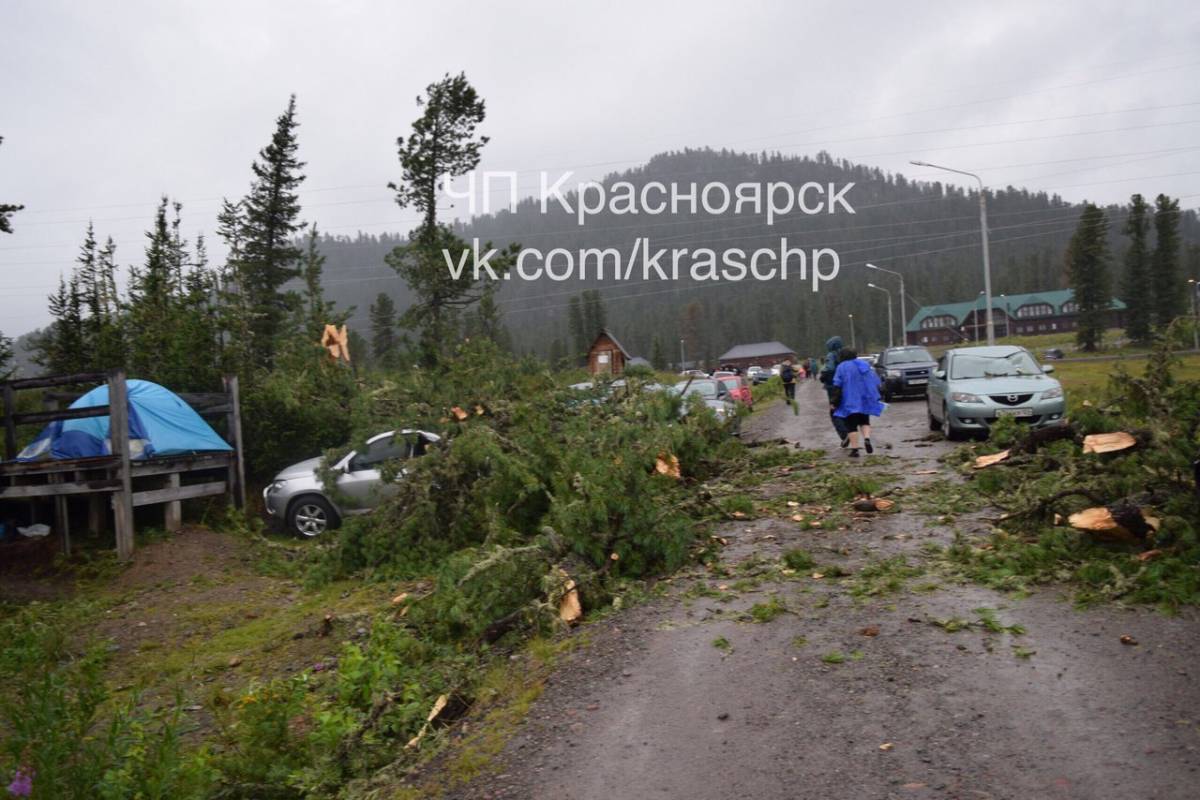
(787, 374)
(855, 399)
(833, 347)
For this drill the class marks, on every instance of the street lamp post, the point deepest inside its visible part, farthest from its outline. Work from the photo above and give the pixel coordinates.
(853, 341)
(890, 324)
(987, 269)
(682, 358)
(903, 305)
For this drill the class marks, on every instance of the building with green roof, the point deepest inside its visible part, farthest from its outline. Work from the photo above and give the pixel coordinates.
(1014, 315)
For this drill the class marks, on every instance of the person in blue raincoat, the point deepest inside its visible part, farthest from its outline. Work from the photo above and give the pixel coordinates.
(855, 399)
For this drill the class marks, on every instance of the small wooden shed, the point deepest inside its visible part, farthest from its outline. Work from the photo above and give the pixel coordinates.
(606, 356)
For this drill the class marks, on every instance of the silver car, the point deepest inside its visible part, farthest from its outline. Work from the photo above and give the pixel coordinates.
(974, 386)
(297, 497)
(715, 396)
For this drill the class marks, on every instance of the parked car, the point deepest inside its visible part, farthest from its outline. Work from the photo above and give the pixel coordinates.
(1052, 354)
(974, 386)
(715, 396)
(738, 389)
(297, 497)
(757, 374)
(870, 358)
(695, 373)
(903, 371)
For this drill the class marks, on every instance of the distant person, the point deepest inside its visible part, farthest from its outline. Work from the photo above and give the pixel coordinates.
(787, 374)
(812, 368)
(855, 399)
(833, 346)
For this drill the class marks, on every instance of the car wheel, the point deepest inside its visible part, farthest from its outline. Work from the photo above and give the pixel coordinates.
(311, 516)
(948, 430)
(934, 425)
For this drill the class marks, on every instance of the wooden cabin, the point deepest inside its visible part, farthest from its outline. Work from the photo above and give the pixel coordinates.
(606, 356)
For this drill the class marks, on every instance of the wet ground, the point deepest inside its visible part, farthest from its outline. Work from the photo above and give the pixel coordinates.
(653, 708)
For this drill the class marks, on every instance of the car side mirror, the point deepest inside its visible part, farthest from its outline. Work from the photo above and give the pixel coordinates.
(940, 374)
(1048, 368)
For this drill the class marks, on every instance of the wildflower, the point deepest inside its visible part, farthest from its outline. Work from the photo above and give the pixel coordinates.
(22, 784)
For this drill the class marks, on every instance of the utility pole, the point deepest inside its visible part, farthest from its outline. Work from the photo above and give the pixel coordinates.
(889, 296)
(987, 267)
(903, 303)
(853, 341)
(682, 358)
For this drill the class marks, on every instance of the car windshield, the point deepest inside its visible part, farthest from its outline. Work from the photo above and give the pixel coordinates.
(706, 389)
(1018, 362)
(911, 355)
(730, 383)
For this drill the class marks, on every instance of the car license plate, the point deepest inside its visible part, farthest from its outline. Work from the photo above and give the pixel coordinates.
(1014, 412)
(918, 381)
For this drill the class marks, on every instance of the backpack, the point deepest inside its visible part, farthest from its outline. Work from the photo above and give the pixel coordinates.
(787, 374)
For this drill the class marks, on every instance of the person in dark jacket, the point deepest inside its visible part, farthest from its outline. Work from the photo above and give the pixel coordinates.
(855, 399)
(833, 347)
(787, 374)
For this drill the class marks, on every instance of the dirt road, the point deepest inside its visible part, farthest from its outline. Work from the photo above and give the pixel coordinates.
(653, 708)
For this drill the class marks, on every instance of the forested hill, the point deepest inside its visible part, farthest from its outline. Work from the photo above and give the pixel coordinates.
(925, 230)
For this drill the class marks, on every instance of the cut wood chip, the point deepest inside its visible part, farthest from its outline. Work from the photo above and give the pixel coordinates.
(438, 706)
(1108, 442)
(926, 472)
(569, 608)
(797, 518)
(792, 504)
(1149, 555)
(988, 460)
(458, 413)
(400, 598)
(1094, 519)
(883, 504)
(667, 464)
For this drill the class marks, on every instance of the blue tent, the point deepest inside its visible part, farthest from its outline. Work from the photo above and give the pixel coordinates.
(160, 424)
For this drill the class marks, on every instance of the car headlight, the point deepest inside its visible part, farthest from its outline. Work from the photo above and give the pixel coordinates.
(893, 373)
(965, 397)
(275, 486)
(1050, 394)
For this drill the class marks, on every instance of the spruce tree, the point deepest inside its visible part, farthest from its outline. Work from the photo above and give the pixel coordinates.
(658, 358)
(1137, 288)
(268, 221)
(580, 338)
(7, 210)
(443, 144)
(1167, 286)
(6, 358)
(383, 330)
(1087, 260)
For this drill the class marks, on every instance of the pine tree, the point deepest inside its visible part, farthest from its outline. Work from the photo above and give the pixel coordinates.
(1087, 260)
(267, 224)
(1167, 287)
(443, 144)
(1137, 288)
(7, 210)
(383, 330)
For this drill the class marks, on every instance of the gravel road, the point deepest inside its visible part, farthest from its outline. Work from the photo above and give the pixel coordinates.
(650, 708)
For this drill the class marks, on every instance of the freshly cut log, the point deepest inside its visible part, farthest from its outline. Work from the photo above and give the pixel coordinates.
(994, 458)
(1108, 442)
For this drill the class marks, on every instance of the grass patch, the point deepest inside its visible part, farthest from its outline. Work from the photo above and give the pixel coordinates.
(721, 643)
(768, 610)
(799, 559)
(834, 657)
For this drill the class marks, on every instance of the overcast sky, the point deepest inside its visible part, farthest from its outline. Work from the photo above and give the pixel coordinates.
(107, 106)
